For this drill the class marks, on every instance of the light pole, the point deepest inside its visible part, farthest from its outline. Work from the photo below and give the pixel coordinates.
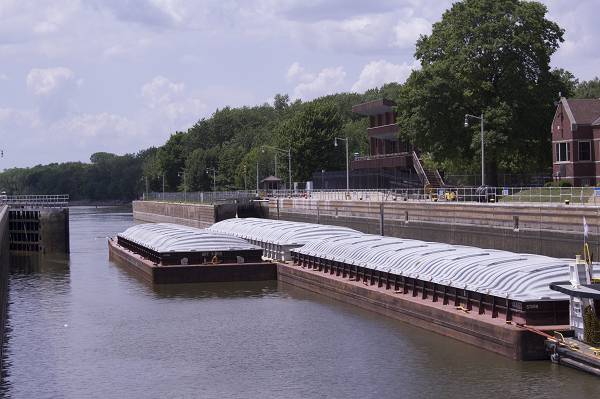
(288, 152)
(145, 179)
(335, 143)
(182, 174)
(245, 175)
(163, 186)
(257, 178)
(214, 173)
(467, 116)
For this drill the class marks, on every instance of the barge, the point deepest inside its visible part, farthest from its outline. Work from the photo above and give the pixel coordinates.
(168, 253)
(480, 296)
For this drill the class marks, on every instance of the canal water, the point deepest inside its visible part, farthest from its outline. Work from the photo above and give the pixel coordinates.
(83, 327)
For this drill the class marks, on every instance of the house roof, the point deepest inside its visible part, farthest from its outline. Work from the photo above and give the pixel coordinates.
(271, 179)
(374, 107)
(583, 111)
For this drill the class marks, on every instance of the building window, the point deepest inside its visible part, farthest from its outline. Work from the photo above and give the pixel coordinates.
(562, 152)
(585, 151)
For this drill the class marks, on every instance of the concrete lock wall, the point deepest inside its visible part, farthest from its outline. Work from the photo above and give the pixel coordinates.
(195, 215)
(552, 230)
(54, 230)
(4, 249)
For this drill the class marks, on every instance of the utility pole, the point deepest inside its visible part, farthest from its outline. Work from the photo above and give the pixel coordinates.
(467, 116)
(335, 143)
(214, 173)
(257, 177)
(182, 173)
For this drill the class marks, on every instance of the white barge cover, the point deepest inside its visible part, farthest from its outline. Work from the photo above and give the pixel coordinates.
(277, 237)
(522, 277)
(168, 237)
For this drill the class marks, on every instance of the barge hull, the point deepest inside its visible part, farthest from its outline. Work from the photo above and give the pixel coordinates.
(190, 273)
(490, 334)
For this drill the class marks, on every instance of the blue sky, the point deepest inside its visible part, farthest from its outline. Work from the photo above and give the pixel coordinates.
(81, 76)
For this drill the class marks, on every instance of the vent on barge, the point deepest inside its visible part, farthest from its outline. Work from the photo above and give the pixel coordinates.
(172, 244)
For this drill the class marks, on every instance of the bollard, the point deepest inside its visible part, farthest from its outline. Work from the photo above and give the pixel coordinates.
(567, 202)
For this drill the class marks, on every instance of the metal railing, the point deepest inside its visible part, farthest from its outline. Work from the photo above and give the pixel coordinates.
(201, 197)
(35, 201)
(585, 196)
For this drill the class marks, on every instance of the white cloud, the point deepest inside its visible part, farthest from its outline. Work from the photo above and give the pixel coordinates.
(161, 91)
(309, 86)
(377, 73)
(104, 125)
(407, 32)
(43, 82)
(170, 100)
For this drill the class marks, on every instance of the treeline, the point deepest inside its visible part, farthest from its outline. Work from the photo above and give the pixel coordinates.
(484, 56)
(107, 177)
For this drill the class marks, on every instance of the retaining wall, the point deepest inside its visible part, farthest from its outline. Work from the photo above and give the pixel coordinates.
(4, 249)
(552, 230)
(195, 215)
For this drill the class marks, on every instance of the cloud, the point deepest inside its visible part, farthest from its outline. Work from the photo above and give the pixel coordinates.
(406, 33)
(377, 73)
(309, 86)
(3, 76)
(171, 100)
(107, 126)
(43, 82)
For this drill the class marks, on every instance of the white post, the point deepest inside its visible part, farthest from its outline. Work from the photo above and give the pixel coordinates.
(482, 156)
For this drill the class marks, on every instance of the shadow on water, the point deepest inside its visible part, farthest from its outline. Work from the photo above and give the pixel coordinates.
(25, 267)
(240, 289)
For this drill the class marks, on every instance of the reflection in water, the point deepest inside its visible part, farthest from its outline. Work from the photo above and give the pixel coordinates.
(86, 327)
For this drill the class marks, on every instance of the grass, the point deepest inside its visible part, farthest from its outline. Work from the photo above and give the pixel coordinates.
(576, 195)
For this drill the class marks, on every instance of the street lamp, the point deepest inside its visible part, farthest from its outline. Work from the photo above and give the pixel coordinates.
(163, 186)
(289, 154)
(335, 143)
(480, 118)
(214, 173)
(182, 174)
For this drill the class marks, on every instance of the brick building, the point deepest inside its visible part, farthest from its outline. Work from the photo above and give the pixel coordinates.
(388, 153)
(576, 141)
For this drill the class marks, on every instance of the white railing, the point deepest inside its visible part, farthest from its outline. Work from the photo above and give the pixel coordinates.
(35, 201)
(585, 196)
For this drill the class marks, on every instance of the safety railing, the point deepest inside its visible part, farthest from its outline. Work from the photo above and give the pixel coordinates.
(586, 196)
(35, 201)
(208, 197)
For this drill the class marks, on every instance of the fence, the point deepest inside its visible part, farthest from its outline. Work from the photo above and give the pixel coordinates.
(209, 197)
(35, 201)
(587, 196)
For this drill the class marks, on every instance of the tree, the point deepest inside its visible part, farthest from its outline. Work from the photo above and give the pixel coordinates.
(588, 89)
(489, 56)
(310, 133)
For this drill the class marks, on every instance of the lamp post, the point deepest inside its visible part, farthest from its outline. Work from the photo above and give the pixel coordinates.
(288, 152)
(214, 173)
(335, 143)
(480, 118)
(245, 175)
(182, 174)
(257, 177)
(163, 186)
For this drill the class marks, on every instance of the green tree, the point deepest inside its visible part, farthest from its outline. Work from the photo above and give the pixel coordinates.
(588, 89)
(310, 133)
(489, 56)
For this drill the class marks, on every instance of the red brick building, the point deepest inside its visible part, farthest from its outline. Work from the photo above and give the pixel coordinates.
(576, 141)
(388, 154)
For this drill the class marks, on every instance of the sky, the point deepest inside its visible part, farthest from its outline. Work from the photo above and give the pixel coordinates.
(82, 76)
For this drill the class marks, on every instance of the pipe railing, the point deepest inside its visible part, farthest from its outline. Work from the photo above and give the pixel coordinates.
(584, 196)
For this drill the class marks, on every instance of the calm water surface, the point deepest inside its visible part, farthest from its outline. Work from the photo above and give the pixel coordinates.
(83, 327)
